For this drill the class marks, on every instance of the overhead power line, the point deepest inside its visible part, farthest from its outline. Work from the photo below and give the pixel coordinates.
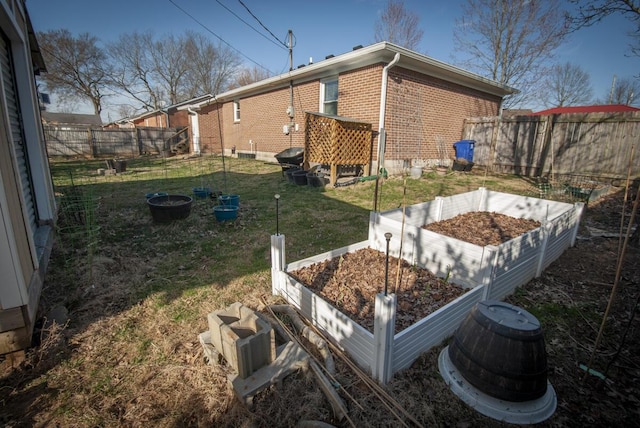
(262, 25)
(218, 37)
(250, 26)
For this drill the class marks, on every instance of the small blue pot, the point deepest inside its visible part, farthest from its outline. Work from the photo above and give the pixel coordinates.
(232, 200)
(225, 212)
(201, 192)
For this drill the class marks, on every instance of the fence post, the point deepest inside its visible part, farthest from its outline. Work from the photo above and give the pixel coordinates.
(497, 123)
(278, 262)
(137, 139)
(383, 332)
(91, 143)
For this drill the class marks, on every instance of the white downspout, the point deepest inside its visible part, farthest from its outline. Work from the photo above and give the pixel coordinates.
(383, 107)
(195, 130)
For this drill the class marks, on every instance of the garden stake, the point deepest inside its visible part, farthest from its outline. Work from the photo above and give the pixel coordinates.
(277, 196)
(626, 196)
(387, 236)
(616, 281)
(404, 207)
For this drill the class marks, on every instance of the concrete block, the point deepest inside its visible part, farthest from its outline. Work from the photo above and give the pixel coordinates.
(245, 341)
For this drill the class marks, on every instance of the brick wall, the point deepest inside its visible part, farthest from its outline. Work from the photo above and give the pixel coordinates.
(209, 128)
(420, 111)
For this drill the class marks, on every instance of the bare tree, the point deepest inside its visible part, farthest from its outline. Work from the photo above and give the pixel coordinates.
(399, 26)
(566, 85)
(246, 76)
(77, 67)
(170, 66)
(168, 70)
(510, 42)
(211, 68)
(151, 71)
(625, 91)
(593, 11)
(133, 73)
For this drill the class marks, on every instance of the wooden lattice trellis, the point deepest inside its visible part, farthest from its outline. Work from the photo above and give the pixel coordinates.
(336, 140)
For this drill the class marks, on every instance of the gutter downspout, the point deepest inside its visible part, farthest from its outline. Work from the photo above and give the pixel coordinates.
(382, 135)
(195, 131)
(383, 107)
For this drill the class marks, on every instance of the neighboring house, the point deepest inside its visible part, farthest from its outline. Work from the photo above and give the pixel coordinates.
(27, 204)
(604, 108)
(70, 119)
(419, 101)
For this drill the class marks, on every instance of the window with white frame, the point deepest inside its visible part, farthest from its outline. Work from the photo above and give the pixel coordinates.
(236, 111)
(329, 95)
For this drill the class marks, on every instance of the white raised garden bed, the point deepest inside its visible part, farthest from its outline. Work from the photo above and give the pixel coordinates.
(490, 272)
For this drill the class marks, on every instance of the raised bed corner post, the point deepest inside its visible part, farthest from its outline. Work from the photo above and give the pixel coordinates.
(383, 334)
(278, 260)
(482, 205)
(579, 209)
(277, 263)
(439, 201)
(545, 231)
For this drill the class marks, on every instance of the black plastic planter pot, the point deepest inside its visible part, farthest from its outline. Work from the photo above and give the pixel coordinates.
(289, 173)
(300, 177)
(315, 179)
(166, 208)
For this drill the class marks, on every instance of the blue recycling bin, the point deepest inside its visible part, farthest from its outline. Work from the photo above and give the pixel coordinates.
(464, 149)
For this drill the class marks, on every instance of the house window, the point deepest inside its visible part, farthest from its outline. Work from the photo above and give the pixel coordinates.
(236, 111)
(329, 96)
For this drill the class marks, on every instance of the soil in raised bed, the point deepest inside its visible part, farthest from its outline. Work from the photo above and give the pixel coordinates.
(350, 282)
(483, 227)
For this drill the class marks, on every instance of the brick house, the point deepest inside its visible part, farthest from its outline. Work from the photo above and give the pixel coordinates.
(27, 199)
(418, 100)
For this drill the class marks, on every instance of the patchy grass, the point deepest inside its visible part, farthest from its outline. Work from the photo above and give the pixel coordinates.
(130, 356)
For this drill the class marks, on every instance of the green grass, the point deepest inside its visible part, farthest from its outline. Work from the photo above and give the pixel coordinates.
(139, 293)
(313, 220)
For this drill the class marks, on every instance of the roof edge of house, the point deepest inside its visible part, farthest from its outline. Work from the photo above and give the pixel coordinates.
(382, 52)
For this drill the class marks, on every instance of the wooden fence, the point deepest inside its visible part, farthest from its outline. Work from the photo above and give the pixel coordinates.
(107, 142)
(590, 145)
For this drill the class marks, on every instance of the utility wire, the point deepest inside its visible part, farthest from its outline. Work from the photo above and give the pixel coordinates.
(250, 26)
(219, 38)
(262, 25)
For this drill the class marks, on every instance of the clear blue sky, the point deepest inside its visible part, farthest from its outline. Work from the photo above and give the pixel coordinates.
(320, 28)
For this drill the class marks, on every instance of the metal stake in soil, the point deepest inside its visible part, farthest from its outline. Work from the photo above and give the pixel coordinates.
(387, 236)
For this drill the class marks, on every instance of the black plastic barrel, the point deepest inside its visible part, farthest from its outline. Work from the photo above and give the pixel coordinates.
(499, 348)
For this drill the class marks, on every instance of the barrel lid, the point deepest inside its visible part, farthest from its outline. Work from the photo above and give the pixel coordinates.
(508, 315)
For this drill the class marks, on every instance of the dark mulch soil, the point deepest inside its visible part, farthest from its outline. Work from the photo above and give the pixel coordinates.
(483, 228)
(351, 282)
